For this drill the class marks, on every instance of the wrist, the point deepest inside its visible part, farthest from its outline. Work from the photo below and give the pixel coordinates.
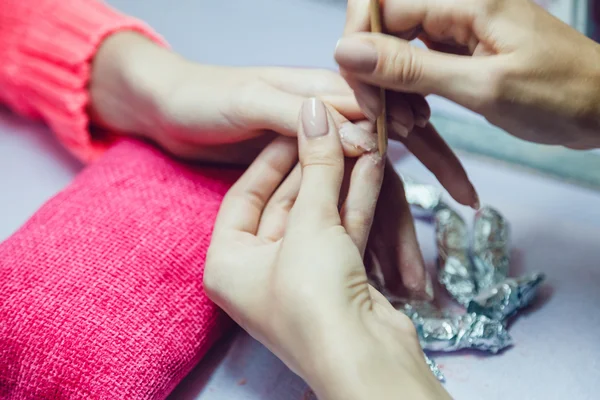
(124, 86)
(369, 366)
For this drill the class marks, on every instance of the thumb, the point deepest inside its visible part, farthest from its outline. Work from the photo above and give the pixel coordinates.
(392, 63)
(322, 162)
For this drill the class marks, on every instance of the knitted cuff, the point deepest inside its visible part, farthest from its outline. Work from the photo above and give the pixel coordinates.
(52, 67)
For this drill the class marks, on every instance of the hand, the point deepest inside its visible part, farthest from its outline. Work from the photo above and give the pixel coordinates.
(509, 60)
(226, 114)
(300, 286)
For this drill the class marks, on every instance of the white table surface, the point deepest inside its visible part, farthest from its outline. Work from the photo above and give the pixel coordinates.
(556, 227)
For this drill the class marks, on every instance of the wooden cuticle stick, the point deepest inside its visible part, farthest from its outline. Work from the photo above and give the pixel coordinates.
(382, 133)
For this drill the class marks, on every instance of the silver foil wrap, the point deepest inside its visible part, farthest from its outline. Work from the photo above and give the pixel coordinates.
(435, 369)
(490, 251)
(455, 271)
(502, 301)
(467, 331)
(473, 267)
(444, 331)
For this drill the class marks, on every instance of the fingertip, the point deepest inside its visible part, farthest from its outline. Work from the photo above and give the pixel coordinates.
(357, 140)
(476, 205)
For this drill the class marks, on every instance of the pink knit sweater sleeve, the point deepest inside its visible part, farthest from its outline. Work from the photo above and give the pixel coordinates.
(101, 291)
(45, 51)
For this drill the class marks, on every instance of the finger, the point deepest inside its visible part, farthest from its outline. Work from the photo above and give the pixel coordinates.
(398, 237)
(440, 19)
(322, 162)
(367, 97)
(349, 164)
(420, 107)
(449, 48)
(329, 86)
(272, 109)
(357, 17)
(274, 218)
(306, 82)
(400, 113)
(359, 207)
(394, 64)
(405, 110)
(430, 148)
(244, 203)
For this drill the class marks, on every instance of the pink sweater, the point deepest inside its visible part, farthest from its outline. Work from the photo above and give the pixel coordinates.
(101, 290)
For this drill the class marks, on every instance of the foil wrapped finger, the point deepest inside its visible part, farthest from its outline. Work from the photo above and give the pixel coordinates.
(455, 271)
(490, 249)
(467, 331)
(505, 299)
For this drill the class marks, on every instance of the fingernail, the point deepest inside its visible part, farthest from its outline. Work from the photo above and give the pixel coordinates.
(429, 287)
(421, 121)
(356, 136)
(369, 100)
(314, 118)
(356, 55)
(399, 128)
(476, 204)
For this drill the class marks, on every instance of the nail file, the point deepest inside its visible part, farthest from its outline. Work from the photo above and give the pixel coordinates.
(382, 134)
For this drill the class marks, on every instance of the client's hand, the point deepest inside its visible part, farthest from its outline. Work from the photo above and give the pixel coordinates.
(228, 114)
(298, 284)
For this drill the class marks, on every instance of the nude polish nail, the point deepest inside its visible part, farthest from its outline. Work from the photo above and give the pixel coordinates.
(421, 121)
(314, 118)
(399, 128)
(356, 55)
(476, 203)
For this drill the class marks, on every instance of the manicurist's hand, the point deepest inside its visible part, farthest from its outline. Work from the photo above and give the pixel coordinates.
(300, 286)
(228, 115)
(509, 60)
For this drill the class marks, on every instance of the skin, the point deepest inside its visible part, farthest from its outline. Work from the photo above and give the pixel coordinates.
(509, 60)
(305, 227)
(315, 309)
(228, 115)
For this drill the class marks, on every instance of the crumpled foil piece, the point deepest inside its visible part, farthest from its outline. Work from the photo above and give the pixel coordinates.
(490, 251)
(444, 331)
(506, 298)
(473, 269)
(434, 369)
(455, 270)
(467, 331)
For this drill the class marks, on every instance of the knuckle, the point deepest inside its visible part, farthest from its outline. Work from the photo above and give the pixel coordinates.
(359, 219)
(321, 159)
(240, 108)
(488, 7)
(402, 66)
(499, 84)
